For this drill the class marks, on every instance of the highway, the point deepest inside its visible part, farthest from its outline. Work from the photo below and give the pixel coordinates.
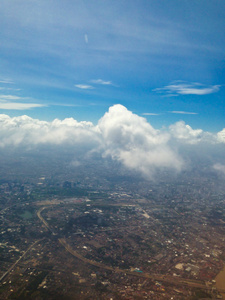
(42, 219)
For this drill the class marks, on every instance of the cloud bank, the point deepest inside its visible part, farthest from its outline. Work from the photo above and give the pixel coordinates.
(119, 134)
(25, 131)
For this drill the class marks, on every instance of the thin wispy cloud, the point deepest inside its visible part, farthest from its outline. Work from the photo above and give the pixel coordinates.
(184, 88)
(9, 97)
(19, 106)
(183, 112)
(8, 89)
(13, 102)
(84, 86)
(100, 81)
(66, 105)
(150, 114)
(6, 81)
(86, 38)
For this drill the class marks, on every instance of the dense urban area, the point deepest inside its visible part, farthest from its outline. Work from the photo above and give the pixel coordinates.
(104, 236)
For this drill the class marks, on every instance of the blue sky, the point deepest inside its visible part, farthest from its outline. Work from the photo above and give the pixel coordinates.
(163, 60)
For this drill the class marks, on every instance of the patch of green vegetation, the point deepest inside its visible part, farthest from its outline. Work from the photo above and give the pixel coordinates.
(26, 215)
(200, 294)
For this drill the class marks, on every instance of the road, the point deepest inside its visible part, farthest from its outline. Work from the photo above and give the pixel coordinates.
(42, 219)
(18, 260)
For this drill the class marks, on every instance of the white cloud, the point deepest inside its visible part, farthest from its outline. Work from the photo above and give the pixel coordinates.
(119, 134)
(19, 106)
(75, 163)
(183, 112)
(150, 114)
(6, 102)
(86, 38)
(184, 88)
(100, 81)
(221, 136)
(219, 167)
(9, 97)
(26, 131)
(184, 132)
(84, 86)
(133, 141)
(9, 89)
(6, 81)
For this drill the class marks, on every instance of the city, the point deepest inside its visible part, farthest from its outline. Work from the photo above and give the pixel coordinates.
(70, 240)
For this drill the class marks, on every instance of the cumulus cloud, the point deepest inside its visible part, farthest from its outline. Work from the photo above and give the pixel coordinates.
(26, 131)
(184, 88)
(184, 132)
(119, 134)
(221, 136)
(133, 141)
